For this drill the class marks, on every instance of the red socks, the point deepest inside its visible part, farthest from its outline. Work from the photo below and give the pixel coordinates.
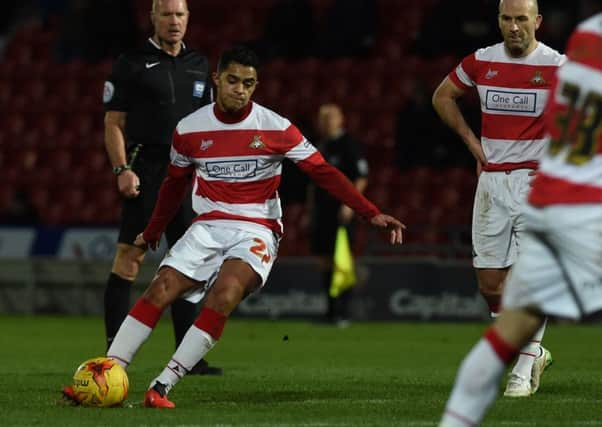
(505, 351)
(146, 312)
(211, 322)
(208, 320)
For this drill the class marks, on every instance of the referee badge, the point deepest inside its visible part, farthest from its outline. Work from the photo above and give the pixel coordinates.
(108, 91)
(198, 89)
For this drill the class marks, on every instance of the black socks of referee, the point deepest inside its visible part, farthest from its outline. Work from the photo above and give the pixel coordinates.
(116, 304)
(183, 314)
(338, 308)
(331, 307)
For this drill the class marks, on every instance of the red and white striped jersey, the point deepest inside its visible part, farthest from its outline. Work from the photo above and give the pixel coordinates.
(571, 170)
(513, 94)
(238, 165)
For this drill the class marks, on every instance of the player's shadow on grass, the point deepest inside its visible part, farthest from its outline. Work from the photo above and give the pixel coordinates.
(367, 393)
(262, 397)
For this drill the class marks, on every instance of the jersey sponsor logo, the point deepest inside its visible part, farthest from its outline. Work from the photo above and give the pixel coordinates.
(518, 102)
(198, 89)
(538, 79)
(206, 143)
(232, 169)
(491, 74)
(257, 143)
(151, 64)
(108, 92)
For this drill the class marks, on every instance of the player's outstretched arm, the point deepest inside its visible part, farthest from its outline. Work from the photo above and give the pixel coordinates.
(340, 187)
(394, 226)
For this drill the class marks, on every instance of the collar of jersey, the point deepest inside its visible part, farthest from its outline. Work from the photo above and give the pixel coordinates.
(231, 118)
(157, 47)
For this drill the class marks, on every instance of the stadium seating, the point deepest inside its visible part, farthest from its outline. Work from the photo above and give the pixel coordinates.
(54, 111)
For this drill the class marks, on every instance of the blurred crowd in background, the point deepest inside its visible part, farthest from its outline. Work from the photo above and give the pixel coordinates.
(378, 59)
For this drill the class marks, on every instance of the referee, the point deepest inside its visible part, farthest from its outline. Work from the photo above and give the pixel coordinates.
(148, 92)
(327, 214)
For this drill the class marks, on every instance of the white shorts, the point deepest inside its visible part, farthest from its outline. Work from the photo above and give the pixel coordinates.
(559, 269)
(201, 251)
(497, 220)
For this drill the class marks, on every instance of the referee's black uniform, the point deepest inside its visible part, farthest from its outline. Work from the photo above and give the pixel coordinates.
(345, 153)
(156, 90)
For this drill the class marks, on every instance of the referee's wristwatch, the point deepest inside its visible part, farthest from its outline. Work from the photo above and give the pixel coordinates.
(118, 170)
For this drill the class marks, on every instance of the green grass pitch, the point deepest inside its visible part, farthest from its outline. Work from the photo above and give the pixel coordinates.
(292, 373)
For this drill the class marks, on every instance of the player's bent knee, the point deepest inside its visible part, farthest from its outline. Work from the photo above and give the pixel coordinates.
(225, 295)
(491, 289)
(491, 281)
(165, 287)
(236, 280)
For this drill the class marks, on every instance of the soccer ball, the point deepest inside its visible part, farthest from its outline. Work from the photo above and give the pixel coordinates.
(100, 381)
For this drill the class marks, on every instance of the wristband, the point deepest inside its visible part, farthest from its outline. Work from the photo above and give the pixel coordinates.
(117, 170)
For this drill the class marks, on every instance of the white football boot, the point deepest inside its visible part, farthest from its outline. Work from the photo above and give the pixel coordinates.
(542, 362)
(518, 386)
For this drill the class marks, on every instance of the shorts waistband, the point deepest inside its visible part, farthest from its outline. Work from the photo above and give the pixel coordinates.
(509, 171)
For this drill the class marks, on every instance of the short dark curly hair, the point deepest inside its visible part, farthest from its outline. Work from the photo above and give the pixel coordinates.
(239, 54)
